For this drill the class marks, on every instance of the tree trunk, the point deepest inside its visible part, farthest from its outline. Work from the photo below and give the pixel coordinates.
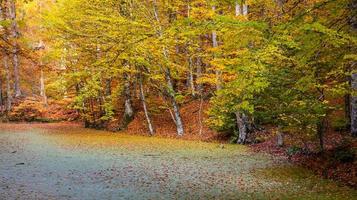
(171, 93)
(238, 10)
(14, 32)
(15, 61)
(200, 115)
(108, 87)
(8, 87)
(242, 127)
(5, 57)
(199, 68)
(146, 111)
(43, 89)
(354, 105)
(321, 128)
(191, 78)
(348, 110)
(1, 93)
(128, 112)
(280, 138)
(245, 9)
(215, 45)
(170, 88)
(199, 74)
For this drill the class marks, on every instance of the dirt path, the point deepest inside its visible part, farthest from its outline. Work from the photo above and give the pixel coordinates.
(68, 162)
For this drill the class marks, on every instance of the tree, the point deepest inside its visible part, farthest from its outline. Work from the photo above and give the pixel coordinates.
(14, 35)
(5, 54)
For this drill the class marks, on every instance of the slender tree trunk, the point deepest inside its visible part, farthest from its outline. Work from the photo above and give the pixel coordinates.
(128, 105)
(43, 89)
(199, 74)
(280, 138)
(170, 87)
(238, 10)
(242, 127)
(14, 32)
(8, 87)
(348, 99)
(129, 111)
(171, 92)
(146, 111)
(4, 14)
(200, 120)
(321, 128)
(354, 106)
(15, 61)
(199, 70)
(191, 80)
(108, 87)
(348, 110)
(1, 93)
(245, 9)
(215, 45)
(214, 33)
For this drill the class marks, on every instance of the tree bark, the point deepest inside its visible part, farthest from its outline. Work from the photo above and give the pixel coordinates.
(146, 111)
(353, 102)
(199, 68)
(191, 80)
(128, 111)
(14, 32)
(280, 138)
(108, 87)
(43, 89)
(354, 105)
(245, 9)
(215, 45)
(242, 127)
(238, 10)
(348, 110)
(321, 128)
(1, 93)
(8, 87)
(5, 57)
(200, 115)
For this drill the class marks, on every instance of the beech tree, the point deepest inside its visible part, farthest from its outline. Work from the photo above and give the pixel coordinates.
(14, 35)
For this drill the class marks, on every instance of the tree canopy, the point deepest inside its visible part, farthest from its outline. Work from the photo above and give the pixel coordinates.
(257, 62)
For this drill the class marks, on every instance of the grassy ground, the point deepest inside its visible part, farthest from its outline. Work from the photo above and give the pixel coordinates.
(69, 162)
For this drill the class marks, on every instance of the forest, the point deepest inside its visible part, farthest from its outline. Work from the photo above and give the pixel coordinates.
(278, 76)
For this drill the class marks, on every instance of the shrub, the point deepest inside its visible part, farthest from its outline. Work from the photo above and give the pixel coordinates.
(294, 150)
(344, 153)
(339, 124)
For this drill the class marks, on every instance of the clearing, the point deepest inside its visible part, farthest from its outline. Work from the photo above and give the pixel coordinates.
(65, 161)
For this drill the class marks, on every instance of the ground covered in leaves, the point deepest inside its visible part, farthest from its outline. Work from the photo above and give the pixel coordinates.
(65, 161)
(338, 161)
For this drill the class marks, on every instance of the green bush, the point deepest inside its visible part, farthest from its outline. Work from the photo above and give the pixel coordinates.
(294, 150)
(339, 124)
